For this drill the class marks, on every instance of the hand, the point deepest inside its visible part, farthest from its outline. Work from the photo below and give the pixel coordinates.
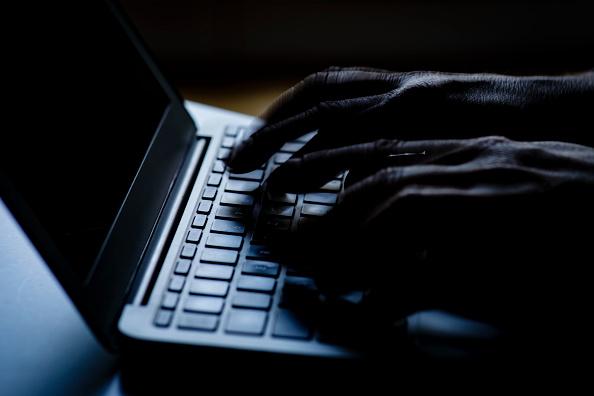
(469, 226)
(354, 105)
(412, 228)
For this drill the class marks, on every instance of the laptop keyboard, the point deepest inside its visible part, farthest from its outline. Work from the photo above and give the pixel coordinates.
(228, 278)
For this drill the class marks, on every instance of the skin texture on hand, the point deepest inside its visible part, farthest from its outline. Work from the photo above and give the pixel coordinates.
(356, 105)
(460, 186)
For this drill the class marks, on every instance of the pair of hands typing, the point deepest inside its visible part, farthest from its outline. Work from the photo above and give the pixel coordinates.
(454, 180)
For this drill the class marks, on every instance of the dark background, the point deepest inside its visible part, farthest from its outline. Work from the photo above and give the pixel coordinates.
(235, 39)
(240, 55)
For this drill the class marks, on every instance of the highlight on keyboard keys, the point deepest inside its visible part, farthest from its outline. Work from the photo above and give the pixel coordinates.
(282, 198)
(256, 283)
(242, 186)
(234, 199)
(209, 287)
(252, 300)
(196, 321)
(214, 271)
(262, 253)
(256, 175)
(204, 304)
(224, 241)
(326, 198)
(232, 213)
(262, 268)
(219, 256)
(315, 210)
(247, 321)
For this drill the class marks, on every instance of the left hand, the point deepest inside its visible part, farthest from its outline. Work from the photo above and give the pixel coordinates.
(356, 105)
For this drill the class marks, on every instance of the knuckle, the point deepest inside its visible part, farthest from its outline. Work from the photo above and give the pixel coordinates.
(387, 176)
(381, 145)
(489, 141)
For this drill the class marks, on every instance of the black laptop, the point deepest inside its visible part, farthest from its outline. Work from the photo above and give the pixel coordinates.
(122, 187)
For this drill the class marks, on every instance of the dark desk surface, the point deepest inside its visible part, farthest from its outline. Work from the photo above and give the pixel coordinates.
(46, 347)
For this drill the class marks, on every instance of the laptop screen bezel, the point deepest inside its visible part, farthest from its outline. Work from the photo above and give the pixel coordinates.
(101, 296)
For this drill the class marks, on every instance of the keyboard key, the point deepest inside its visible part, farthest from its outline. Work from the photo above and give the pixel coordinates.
(262, 253)
(256, 283)
(228, 227)
(199, 221)
(242, 186)
(333, 185)
(232, 131)
(307, 137)
(247, 321)
(183, 266)
(209, 193)
(263, 268)
(281, 158)
(214, 179)
(188, 251)
(176, 283)
(218, 167)
(204, 207)
(252, 300)
(163, 318)
(291, 147)
(209, 287)
(255, 175)
(223, 153)
(228, 142)
(272, 209)
(219, 256)
(204, 304)
(214, 271)
(326, 198)
(195, 321)
(266, 237)
(315, 210)
(271, 224)
(290, 324)
(300, 292)
(283, 198)
(170, 300)
(194, 236)
(232, 213)
(224, 241)
(235, 199)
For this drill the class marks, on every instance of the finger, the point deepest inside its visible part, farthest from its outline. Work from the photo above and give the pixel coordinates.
(254, 151)
(390, 238)
(373, 196)
(312, 169)
(328, 86)
(356, 68)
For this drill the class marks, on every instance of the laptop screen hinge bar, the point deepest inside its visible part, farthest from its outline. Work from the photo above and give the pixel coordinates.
(167, 225)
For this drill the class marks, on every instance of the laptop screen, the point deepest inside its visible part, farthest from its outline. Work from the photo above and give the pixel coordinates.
(99, 107)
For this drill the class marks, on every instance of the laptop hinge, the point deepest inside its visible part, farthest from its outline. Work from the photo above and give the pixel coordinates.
(169, 219)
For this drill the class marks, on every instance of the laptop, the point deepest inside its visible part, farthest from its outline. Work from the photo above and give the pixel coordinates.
(123, 189)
